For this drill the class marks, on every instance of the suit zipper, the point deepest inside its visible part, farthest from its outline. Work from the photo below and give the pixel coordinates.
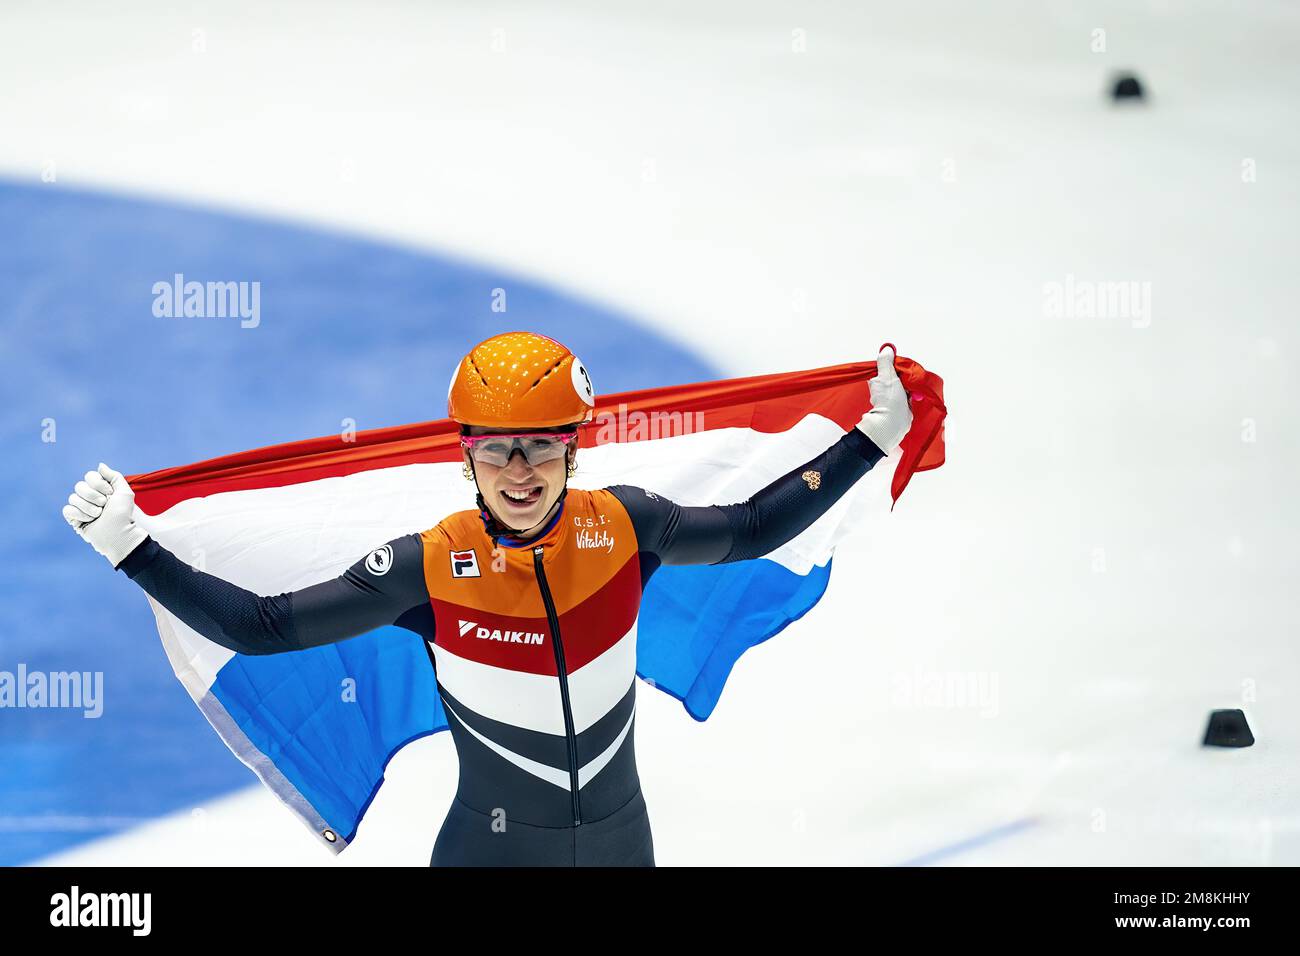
(571, 737)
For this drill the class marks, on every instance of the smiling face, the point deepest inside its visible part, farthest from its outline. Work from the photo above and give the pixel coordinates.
(521, 495)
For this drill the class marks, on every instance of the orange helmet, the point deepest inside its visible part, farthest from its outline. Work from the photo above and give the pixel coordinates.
(520, 380)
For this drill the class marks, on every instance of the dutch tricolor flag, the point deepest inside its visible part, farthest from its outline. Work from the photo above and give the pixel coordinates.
(319, 726)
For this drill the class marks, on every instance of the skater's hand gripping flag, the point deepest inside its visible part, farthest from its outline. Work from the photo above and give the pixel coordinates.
(101, 509)
(890, 415)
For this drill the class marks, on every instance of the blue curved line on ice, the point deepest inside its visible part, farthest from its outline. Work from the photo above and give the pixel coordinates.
(972, 842)
(349, 330)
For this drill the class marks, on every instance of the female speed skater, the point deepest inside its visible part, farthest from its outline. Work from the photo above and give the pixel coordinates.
(542, 720)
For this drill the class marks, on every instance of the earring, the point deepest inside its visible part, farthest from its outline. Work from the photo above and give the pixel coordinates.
(573, 467)
(469, 475)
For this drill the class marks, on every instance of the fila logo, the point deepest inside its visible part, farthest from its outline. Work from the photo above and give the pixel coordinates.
(464, 564)
(509, 637)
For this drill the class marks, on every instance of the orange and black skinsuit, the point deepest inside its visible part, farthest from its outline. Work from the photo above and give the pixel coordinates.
(533, 644)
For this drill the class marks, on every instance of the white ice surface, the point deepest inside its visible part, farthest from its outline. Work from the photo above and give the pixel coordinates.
(1102, 543)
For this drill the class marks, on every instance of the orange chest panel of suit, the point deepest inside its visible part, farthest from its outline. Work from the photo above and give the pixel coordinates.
(513, 628)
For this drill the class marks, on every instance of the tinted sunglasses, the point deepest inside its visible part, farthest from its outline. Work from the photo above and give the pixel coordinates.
(538, 447)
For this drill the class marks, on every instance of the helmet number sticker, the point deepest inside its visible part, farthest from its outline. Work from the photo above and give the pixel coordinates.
(582, 382)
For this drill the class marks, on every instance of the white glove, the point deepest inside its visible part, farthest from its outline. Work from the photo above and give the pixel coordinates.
(100, 509)
(891, 415)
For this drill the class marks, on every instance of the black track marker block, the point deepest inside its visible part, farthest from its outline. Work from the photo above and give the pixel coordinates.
(1228, 728)
(1126, 86)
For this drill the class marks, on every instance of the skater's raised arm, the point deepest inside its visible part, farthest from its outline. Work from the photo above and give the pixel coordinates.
(377, 590)
(718, 534)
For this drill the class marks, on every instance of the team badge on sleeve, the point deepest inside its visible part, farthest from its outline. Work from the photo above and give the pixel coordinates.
(464, 564)
(379, 561)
